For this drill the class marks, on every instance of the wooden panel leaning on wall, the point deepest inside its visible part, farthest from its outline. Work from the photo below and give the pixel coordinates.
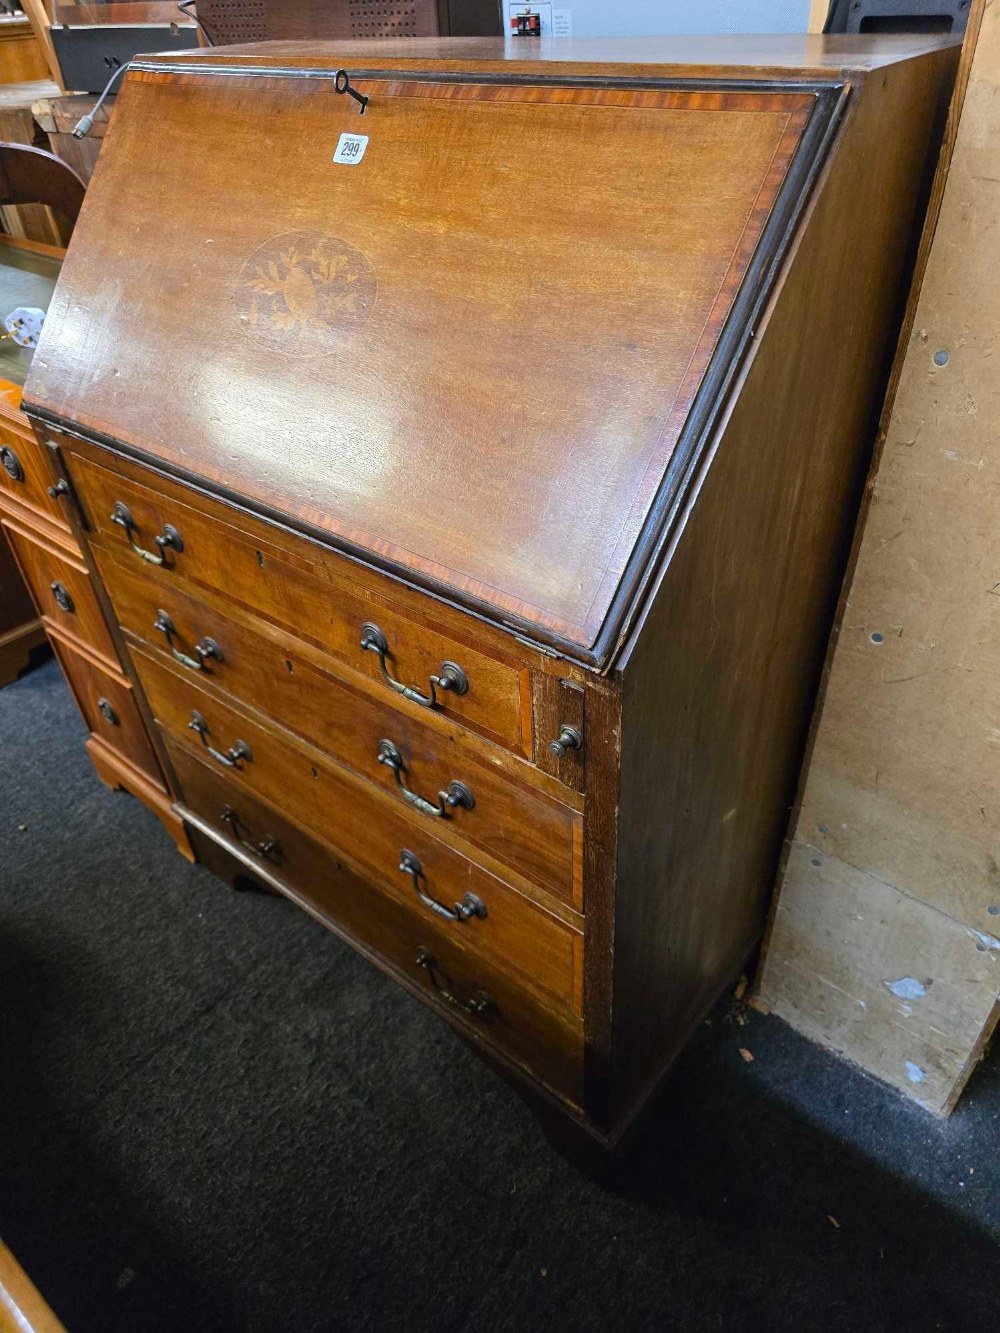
(885, 943)
(35, 524)
(552, 471)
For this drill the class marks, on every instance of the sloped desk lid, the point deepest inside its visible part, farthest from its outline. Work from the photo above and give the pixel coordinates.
(481, 357)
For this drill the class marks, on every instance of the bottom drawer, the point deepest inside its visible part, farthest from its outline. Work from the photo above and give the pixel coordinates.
(480, 998)
(105, 699)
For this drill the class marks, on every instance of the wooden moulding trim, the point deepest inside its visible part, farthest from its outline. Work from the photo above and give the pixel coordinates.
(681, 476)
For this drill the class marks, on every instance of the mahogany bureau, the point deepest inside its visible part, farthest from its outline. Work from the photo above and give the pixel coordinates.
(468, 440)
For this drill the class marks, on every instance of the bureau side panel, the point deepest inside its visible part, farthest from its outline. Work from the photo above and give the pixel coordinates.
(720, 682)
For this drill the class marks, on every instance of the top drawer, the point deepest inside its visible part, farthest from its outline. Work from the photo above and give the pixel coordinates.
(349, 615)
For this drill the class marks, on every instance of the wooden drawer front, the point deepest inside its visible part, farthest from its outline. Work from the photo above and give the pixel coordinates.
(520, 827)
(25, 474)
(62, 591)
(294, 591)
(548, 1042)
(108, 707)
(370, 830)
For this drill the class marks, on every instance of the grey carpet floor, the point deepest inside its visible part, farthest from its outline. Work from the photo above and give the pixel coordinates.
(213, 1116)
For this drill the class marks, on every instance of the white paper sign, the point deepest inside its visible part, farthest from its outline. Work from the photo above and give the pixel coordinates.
(351, 149)
(562, 23)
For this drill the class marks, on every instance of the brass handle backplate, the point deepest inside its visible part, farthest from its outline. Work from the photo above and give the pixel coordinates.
(478, 1005)
(238, 752)
(454, 795)
(204, 650)
(469, 907)
(169, 537)
(449, 677)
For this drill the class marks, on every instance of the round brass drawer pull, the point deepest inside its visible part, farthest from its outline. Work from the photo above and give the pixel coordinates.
(11, 463)
(454, 795)
(469, 907)
(62, 598)
(104, 707)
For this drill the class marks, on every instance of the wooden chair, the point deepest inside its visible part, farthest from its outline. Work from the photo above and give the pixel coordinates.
(232, 21)
(41, 25)
(33, 176)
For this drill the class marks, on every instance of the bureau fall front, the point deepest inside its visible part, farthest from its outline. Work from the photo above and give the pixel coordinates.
(468, 466)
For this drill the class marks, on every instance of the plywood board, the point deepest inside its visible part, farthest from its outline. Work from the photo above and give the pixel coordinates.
(901, 802)
(900, 988)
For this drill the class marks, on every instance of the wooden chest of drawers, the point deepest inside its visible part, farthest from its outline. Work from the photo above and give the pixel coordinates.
(21, 631)
(477, 537)
(37, 541)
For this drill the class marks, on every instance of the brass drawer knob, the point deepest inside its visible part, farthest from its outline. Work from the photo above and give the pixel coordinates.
(106, 711)
(454, 795)
(62, 598)
(469, 907)
(569, 739)
(450, 676)
(478, 1005)
(169, 537)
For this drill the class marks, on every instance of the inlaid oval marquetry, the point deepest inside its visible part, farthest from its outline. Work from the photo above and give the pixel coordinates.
(301, 291)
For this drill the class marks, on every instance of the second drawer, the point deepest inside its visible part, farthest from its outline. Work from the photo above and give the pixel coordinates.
(482, 913)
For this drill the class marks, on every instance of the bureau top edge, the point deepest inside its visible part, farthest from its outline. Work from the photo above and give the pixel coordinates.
(754, 57)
